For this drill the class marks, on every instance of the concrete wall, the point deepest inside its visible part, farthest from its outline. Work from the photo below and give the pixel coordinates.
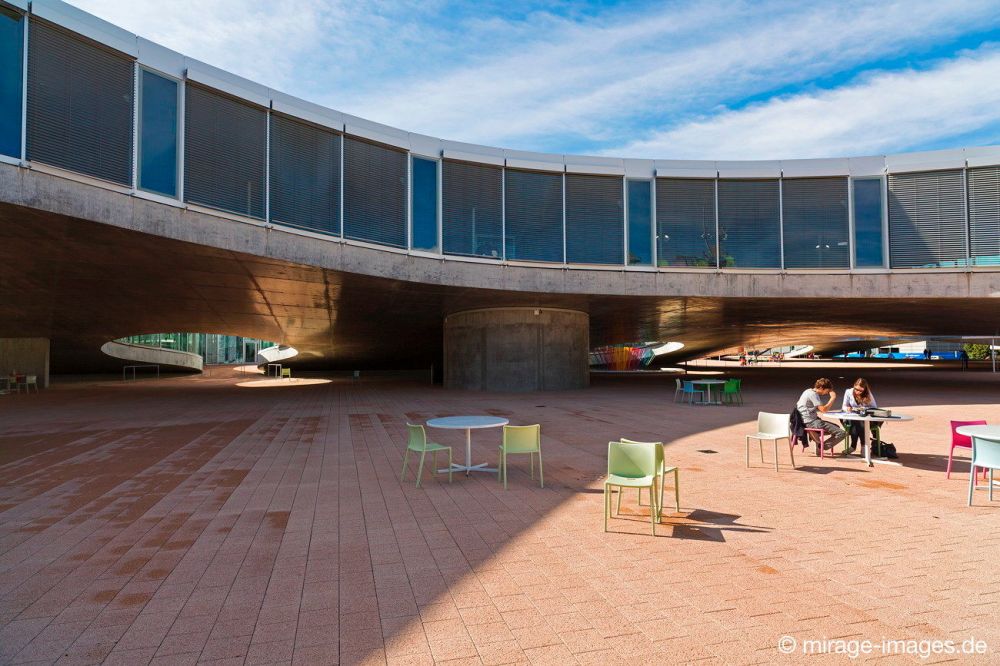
(516, 349)
(28, 356)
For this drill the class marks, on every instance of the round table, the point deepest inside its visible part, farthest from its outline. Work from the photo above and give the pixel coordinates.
(866, 438)
(990, 432)
(468, 424)
(708, 384)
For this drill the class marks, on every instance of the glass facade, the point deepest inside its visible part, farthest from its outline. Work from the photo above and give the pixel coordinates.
(685, 222)
(213, 348)
(158, 129)
(11, 81)
(816, 223)
(595, 222)
(472, 205)
(424, 204)
(305, 175)
(640, 223)
(534, 216)
(749, 224)
(868, 252)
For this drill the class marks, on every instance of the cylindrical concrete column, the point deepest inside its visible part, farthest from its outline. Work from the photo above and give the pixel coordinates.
(517, 349)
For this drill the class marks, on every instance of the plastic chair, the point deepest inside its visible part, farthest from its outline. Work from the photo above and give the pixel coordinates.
(521, 439)
(822, 434)
(286, 373)
(963, 441)
(771, 427)
(418, 442)
(679, 390)
(985, 454)
(29, 381)
(731, 392)
(631, 466)
(688, 390)
(663, 470)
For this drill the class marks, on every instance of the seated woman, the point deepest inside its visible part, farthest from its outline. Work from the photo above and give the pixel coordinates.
(858, 399)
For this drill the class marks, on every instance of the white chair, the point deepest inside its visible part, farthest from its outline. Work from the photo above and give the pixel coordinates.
(29, 381)
(771, 427)
(985, 454)
(679, 389)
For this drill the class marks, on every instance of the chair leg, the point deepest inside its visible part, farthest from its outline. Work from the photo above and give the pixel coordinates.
(791, 450)
(748, 452)
(621, 491)
(420, 470)
(972, 484)
(951, 454)
(541, 477)
(760, 444)
(406, 454)
(449, 465)
(607, 506)
(652, 512)
(677, 489)
(505, 470)
(775, 455)
(531, 465)
(659, 509)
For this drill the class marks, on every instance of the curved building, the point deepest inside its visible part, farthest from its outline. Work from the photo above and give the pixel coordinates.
(143, 191)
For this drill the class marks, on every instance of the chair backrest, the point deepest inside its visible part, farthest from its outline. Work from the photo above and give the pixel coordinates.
(962, 440)
(731, 386)
(31, 379)
(286, 372)
(688, 387)
(631, 460)
(772, 424)
(522, 439)
(418, 437)
(985, 453)
(678, 380)
(656, 446)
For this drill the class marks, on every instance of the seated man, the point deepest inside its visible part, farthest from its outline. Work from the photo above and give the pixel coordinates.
(820, 398)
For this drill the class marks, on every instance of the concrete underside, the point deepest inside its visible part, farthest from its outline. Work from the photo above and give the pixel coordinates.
(82, 265)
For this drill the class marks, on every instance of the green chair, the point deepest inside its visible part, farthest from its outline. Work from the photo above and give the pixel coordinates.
(418, 442)
(631, 465)
(286, 373)
(731, 392)
(663, 471)
(521, 439)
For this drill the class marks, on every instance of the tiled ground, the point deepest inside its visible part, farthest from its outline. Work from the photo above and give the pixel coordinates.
(189, 520)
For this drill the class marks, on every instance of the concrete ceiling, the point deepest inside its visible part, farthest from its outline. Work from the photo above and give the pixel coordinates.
(82, 283)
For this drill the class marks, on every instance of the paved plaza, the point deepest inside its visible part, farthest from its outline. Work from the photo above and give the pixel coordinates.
(190, 519)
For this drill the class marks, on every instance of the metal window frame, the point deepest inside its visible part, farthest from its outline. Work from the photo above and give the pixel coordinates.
(343, 135)
(652, 220)
(653, 231)
(884, 222)
(24, 90)
(886, 255)
(137, 125)
(781, 221)
(851, 243)
(625, 220)
(718, 236)
(565, 257)
(409, 204)
(267, 167)
(503, 213)
(968, 221)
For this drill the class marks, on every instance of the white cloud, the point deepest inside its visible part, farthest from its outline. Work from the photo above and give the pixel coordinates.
(883, 112)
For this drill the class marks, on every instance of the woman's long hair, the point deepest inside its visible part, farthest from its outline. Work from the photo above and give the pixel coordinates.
(866, 394)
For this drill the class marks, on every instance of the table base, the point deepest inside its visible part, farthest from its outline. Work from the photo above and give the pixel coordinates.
(481, 467)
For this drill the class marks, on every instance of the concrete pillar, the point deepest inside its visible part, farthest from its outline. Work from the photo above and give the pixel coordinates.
(517, 349)
(28, 356)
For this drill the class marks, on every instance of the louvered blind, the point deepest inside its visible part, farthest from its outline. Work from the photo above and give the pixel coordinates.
(80, 112)
(225, 151)
(305, 175)
(749, 223)
(685, 222)
(534, 216)
(472, 205)
(595, 219)
(984, 215)
(374, 193)
(816, 217)
(927, 219)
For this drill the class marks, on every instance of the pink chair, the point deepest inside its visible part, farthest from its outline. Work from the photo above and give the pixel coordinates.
(961, 440)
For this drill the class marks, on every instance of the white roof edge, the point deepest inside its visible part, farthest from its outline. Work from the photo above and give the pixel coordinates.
(686, 173)
(86, 24)
(595, 169)
(161, 58)
(213, 77)
(749, 169)
(535, 165)
(872, 165)
(371, 131)
(20, 4)
(815, 168)
(926, 161)
(466, 156)
(425, 146)
(985, 156)
(300, 108)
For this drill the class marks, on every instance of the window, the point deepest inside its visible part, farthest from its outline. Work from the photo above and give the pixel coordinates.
(158, 134)
(425, 204)
(11, 84)
(225, 150)
(685, 222)
(534, 216)
(816, 223)
(868, 246)
(305, 175)
(640, 223)
(595, 223)
(374, 193)
(749, 224)
(80, 110)
(984, 215)
(927, 225)
(472, 204)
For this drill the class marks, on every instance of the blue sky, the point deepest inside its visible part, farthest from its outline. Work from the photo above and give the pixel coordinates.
(668, 79)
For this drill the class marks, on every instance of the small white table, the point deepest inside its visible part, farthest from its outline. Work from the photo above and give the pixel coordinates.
(990, 432)
(468, 424)
(708, 384)
(866, 437)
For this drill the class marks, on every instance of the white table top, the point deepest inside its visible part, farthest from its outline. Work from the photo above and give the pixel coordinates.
(982, 431)
(467, 422)
(852, 416)
(707, 381)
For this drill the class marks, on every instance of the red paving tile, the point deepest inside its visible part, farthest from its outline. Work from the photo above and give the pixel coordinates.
(188, 519)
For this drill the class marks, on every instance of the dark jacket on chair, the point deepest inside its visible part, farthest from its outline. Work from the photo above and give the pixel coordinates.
(797, 428)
